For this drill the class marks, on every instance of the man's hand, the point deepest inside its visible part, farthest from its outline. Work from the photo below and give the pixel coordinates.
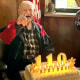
(22, 20)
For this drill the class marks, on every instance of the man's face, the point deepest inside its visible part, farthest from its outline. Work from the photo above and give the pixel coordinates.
(27, 11)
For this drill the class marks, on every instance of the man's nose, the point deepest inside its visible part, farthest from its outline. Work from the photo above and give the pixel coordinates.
(28, 12)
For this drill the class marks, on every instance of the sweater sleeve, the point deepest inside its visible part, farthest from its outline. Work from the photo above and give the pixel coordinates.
(47, 44)
(8, 33)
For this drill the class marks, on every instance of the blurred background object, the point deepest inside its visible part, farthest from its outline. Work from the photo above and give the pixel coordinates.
(78, 2)
(51, 7)
(77, 20)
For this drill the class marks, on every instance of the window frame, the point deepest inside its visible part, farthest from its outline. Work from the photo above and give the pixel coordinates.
(67, 10)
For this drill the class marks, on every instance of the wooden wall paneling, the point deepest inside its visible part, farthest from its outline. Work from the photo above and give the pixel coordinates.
(42, 7)
(65, 36)
(8, 11)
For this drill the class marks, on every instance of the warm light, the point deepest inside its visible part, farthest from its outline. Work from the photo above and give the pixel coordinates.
(38, 61)
(55, 67)
(71, 62)
(57, 64)
(49, 59)
(62, 62)
(44, 66)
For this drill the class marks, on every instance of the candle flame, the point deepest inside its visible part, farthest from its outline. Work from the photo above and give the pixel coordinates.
(53, 64)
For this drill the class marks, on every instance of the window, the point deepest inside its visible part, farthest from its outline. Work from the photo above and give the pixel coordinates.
(65, 5)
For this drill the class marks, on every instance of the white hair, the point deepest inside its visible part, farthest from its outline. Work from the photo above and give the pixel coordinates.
(27, 3)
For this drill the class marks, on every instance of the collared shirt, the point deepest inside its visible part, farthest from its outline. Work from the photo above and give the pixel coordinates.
(31, 46)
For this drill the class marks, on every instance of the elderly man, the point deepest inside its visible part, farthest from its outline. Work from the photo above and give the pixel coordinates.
(30, 41)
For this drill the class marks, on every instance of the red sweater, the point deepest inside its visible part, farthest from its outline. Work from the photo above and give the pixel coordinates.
(10, 32)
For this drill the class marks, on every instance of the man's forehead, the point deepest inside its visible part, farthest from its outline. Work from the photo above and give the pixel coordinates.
(27, 6)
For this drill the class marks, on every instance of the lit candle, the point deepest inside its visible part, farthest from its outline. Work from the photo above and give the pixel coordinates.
(51, 69)
(64, 68)
(60, 68)
(53, 66)
(62, 62)
(31, 70)
(46, 71)
(67, 67)
(32, 67)
(36, 69)
(55, 69)
(42, 70)
(49, 59)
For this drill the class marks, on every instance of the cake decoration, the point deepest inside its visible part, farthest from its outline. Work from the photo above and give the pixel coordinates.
(50, 69)
(53, 67)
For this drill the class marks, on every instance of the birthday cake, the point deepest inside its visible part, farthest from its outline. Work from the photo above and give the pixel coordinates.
(62, 69)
